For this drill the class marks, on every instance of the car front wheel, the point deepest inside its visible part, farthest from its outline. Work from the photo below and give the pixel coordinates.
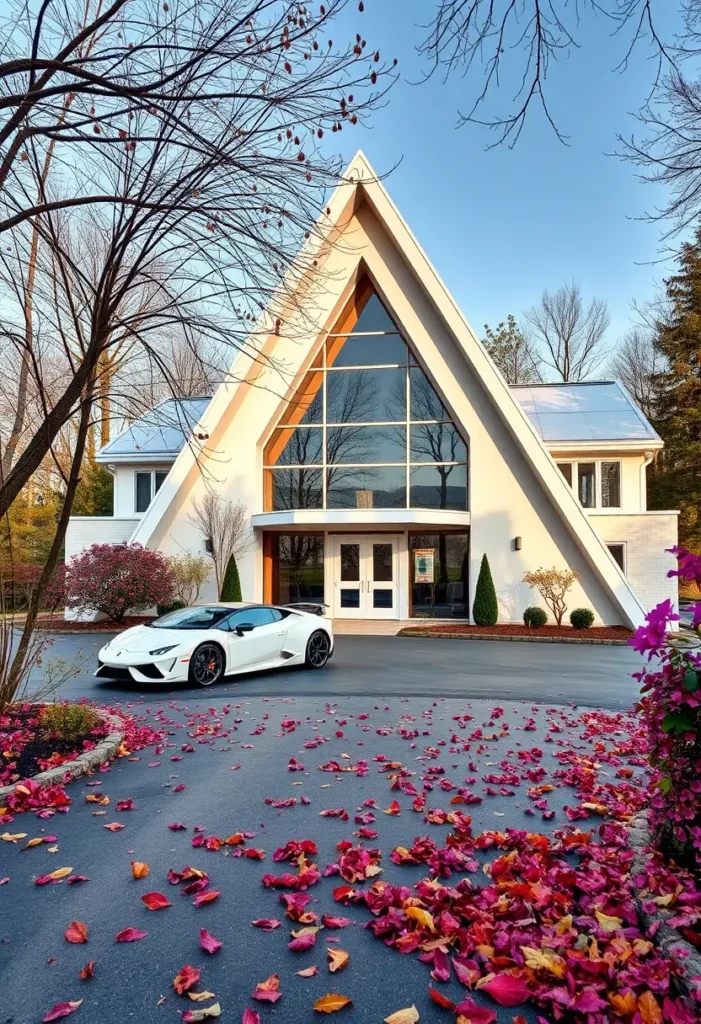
(318, 649)
(206, 665)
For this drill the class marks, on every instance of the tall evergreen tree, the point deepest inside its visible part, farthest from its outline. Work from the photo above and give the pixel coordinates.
(512, 352)
(677, 484)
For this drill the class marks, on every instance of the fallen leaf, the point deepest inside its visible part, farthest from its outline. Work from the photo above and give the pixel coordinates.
(139, 869)
(440, 1000)
(332, 1002)
(338, 959)
(76, 932)
(649, 1009)
(408, 1016)
(422, 916)
(9, 837)
(88, 971)
(156, 901)
(208, 943)
(186, 977)
(37, 841)
(205, 897)
(308, 972)
(200, 997)
(130, 935)
(507, 990)
(267, 991)
(250, 1017)
(61, 1010)
(607, 923)
(329, 921)
(303, 943)
(192, 1016)
(268, 924)
(114, 826)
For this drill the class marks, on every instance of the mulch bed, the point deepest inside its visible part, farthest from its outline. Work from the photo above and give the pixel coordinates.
(506, 629)
(26, 749)
(57, 624)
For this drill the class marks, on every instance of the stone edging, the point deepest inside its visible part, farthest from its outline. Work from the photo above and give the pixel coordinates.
(668, 939)
(84, 763)
(510, 639)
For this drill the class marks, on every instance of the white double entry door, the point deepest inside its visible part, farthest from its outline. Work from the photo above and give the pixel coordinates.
(366, 577)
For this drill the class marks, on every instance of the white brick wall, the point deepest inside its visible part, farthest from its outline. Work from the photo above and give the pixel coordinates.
(646, 535)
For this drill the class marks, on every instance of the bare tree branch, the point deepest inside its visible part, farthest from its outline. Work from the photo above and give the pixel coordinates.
(569, 335)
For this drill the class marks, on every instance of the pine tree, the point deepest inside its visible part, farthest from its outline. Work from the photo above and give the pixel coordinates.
(485, 610)
(677, 484)
(94, 494)
(231, 587)
(512, 352)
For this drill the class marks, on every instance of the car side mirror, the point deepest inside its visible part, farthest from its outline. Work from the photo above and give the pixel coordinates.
(244, 627)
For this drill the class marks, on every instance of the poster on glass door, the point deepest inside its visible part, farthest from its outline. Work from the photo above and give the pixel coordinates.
(424, 562)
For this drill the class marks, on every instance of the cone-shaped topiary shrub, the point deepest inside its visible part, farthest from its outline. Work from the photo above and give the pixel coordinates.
(485, 610)
(231, 587)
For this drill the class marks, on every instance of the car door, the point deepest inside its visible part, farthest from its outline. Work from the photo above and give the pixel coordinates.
(259, 645)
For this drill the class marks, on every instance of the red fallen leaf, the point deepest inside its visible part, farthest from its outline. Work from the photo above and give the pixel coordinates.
(250, 1017)
(268, 924)
(474, 1013)
(254, 854)
(61, 1010)
(394, 808)
(76, 932)
(507, 990)
(177, 826)
(130, 935)
(179, 788)
(303, 943)
(77, 878)
(198, 886)
(156, 901)
(124, 805)
(343, 892)
(440, 1000)
(205, 897)
(208, 942)
(186, 977)
(329, 921)
(267, 991)
(114, 826)
(88, 971)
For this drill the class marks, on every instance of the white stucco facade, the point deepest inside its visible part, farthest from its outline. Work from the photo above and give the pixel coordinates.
(520, 510)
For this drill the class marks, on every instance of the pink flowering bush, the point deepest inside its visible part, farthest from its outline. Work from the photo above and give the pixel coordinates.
(671, 707)
(118, 578)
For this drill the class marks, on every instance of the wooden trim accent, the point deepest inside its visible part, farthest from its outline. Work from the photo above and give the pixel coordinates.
(270, 566)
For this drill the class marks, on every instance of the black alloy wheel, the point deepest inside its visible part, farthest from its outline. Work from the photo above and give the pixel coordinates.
(206, 665)
(318, 649)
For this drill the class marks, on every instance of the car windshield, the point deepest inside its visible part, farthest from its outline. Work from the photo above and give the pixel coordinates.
(191, 618)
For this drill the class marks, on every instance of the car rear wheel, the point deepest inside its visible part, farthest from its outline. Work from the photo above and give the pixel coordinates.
(206, 665)
(318, 649)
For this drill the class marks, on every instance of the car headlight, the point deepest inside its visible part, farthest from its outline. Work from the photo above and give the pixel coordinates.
(163, 650)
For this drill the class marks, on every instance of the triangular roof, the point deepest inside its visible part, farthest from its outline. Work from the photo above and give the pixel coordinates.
(361, 185)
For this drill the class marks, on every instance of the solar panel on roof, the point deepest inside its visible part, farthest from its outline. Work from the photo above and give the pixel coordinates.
(582, 412)
(161, 431)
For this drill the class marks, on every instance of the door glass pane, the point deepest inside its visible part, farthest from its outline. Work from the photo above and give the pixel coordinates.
(384, 487)
(143, 491)
(295, 447)
(424, 402)
(566, 470)
(350, 598)
(365, 396)
(587, 484)
(382, 563)
(350, 561)
(365, 444)
(438, 567)
(437, 442)
(611, 484)
(439, 487)
(293, 488)
(382, 598)
(300, 568)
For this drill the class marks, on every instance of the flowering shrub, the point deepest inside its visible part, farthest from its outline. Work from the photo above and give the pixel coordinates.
(671, 707)
(118, 578)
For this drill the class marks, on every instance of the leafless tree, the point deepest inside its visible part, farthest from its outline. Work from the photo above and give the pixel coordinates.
(226, 528)
(208, 188)
(636, 361)
(568, 333)
(519, 40)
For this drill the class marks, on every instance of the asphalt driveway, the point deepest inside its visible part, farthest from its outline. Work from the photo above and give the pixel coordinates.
(375, 666)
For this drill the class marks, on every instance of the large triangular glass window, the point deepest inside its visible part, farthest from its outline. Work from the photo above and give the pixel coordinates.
(366, 428)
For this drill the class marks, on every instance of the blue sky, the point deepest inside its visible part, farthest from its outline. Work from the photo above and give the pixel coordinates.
(502, 224)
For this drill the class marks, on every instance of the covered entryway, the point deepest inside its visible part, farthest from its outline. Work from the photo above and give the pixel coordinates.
(365, 576)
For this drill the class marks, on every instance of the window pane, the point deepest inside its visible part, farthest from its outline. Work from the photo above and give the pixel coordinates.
(445, 596)
(257, 616)
(295, 447)
(424, 402)
(300, 568)
(374, 318)
(365, 444)
(439, 487)
(306, 406)
(293, 488)
(437, 442)
(611, 484)
(382, 598)
(382, 563)
(350, 562)
(384, 487)
(143, 491)
(160, 480)
(587, 484)
(365, 396)
(617, 550)
(368, 351)
(350, 598)
(566, 470)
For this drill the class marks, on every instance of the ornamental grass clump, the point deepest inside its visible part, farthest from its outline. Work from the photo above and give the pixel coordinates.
(671, 707)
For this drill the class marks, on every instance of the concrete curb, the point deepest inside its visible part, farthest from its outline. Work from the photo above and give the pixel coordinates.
(511, 639)
(668, 939)
(84, 763)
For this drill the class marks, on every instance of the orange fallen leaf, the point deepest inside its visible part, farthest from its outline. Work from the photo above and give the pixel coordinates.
(308, 972)
(200, 997)
(338, 959)
(59, 873)
(88, 971)
(34, 842)
(332, 1002)
(139, 869)
(422, 916)
(649, 1009)
(624, 1004)
(76, 932)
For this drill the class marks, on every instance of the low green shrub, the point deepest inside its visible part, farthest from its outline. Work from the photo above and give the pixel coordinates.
(69, 721)
(172, 606)
(582, 618)
(535, 617)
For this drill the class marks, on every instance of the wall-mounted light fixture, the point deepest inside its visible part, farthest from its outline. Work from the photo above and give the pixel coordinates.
(517, 543)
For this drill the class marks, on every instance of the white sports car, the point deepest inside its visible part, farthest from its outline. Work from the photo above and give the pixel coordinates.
(202, 644)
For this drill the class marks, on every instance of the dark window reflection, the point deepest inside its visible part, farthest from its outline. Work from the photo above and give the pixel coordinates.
(376, 350)
(445, 595)
(382, 563)
(439, 487)
(424, 402)
(300, 568)
(365, 396)
(384, 487)
(295, 488)
(611, 484)
(300, 447)
(437, 442)
(350, 562)
(587, 484)
(366, 444)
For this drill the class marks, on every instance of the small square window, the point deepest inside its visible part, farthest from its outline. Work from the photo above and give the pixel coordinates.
(142, 498)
